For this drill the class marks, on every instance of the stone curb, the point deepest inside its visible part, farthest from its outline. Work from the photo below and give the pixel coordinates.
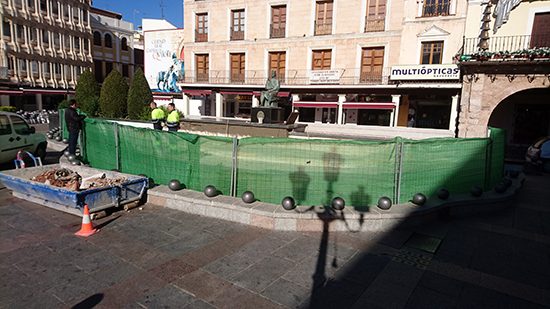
(274, 217)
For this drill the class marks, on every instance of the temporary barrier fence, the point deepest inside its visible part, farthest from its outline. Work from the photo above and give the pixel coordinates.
(311, 171)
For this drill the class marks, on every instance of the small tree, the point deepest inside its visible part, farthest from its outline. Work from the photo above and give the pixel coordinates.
(113, 98)
(63, 104)
(139, 97)
(87, 93)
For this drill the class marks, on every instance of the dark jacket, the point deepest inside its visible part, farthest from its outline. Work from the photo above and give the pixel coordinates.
(73, 119)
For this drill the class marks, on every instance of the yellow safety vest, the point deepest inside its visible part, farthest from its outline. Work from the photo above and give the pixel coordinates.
(157, 114)
(173, 117)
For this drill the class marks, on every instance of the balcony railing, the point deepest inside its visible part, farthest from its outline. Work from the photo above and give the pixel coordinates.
(237, 78)
(201, 37)
(202, 77)
(275, 33)
(291, 77)
(237, 35)
(506, 43)
(323, 28)
(374, 24)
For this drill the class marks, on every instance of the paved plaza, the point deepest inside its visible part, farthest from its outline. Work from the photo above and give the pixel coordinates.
(158, 257)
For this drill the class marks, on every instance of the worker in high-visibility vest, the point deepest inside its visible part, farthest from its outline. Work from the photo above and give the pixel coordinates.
(157, 116)
(173, 119)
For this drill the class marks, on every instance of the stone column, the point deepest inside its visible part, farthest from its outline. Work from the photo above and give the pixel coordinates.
(340, 115)
(38, 101)
(454, 113)
(185, 105)
(396, 99)
(219, 105)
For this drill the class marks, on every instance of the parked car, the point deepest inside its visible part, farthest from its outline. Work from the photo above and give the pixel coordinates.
(16, 134)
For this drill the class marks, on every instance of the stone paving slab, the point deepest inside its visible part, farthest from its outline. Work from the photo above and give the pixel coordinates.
(160, 257)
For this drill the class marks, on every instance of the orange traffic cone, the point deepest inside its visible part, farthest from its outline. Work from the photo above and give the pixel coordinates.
(87, 226)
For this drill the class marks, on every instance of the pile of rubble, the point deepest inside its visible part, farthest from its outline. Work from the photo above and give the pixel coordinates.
(68, 179)
(101, 180)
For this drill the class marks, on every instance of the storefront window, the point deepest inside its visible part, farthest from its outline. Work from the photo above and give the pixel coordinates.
(307, 114)
(432, 111)
(328, 115)
(373, 117)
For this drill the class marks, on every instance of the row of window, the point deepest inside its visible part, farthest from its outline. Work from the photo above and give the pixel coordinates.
(108, 41)
(27, 68)
(103, 68)
(375, 16)
(54, 8)
(372, 62)
(33, 36)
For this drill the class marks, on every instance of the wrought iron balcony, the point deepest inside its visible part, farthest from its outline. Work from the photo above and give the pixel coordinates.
(508, 44)
(377, 76)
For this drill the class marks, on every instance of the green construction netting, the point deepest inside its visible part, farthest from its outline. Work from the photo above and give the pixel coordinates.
(213, 164)
(454, 164)
(99, 144)
(64, 131)
(312, 171)
(315, 171)
(498, 138)
(196, 161)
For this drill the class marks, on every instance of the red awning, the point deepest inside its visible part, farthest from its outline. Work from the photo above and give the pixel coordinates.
(162, 98)
(48, 91)
(12, 92)
(197, 92)
(316, 104)
(355, 105)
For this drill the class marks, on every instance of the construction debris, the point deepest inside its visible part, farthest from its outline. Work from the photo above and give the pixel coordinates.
(101, 180)
(62, 178)
(68, 179)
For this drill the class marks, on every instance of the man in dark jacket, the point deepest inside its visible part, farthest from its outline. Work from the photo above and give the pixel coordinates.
(73, 122)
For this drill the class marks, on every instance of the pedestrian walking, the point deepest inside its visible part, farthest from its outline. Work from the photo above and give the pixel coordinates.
(173, 119)
(74, 124)
(157, 116)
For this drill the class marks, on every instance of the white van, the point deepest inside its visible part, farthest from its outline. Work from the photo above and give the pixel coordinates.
(16, 134)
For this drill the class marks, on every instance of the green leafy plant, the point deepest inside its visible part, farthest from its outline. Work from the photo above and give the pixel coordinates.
(63, 104)
(87, 93)
(139, 97)
(113, 97)
(11, 109)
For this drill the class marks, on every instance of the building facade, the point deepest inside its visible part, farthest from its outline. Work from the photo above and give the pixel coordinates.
(338, 62)
(44, 47)
(506, 72)
(113, 44)
(163, 60)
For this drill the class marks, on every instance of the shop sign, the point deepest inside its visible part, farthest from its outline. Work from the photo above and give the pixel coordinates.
(324, 76)
(425, 72)
(243, 97)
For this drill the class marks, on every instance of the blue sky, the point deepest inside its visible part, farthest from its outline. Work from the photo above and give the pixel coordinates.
(134, 10)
